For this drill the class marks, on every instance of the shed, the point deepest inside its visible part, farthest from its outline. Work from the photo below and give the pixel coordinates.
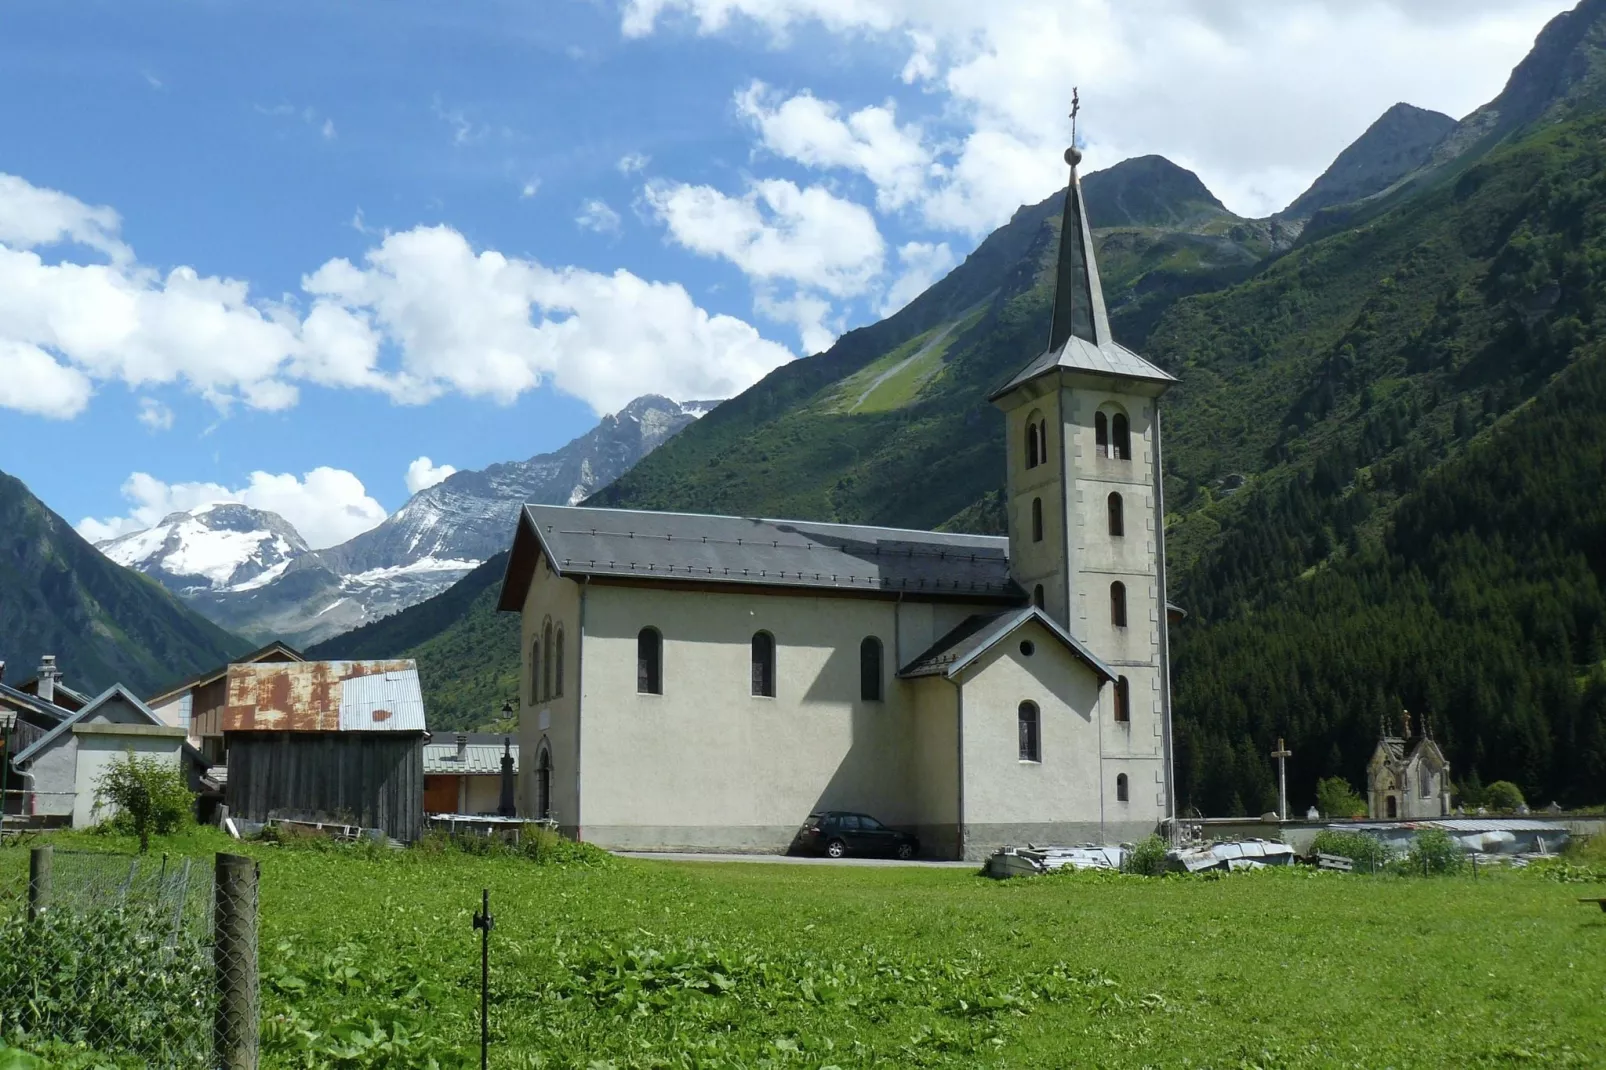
(463, 772)
(196, 704)
(337, 741)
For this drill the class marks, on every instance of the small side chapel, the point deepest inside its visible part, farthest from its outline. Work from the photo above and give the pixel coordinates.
(705, 682)
(1407, 780)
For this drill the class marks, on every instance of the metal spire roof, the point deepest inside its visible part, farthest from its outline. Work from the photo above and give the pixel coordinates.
(1079, 332)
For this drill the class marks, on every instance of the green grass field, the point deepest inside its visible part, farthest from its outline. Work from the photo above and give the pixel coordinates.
(374, 962)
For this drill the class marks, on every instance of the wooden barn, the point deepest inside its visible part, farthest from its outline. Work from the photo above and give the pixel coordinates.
(337, 741)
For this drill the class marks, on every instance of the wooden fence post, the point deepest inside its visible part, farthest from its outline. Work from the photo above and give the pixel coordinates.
(39, 859)
(235, 962)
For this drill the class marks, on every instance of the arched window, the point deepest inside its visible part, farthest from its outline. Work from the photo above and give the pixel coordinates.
(557, 659)
(1120, 438)
(1118, 604)
(1037, 596)
(1042, 442)
(764, 664)
(1031, 445)
(535, 672)
(1031, 744)
(1123, 700)
(870, 669)
(546, 663)
(1101, 434)
(1117, 519)
(649, 662)
(543, 784)
(1037, 520)
(1120, 788)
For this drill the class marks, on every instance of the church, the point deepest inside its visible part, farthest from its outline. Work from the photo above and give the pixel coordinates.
(705, 682)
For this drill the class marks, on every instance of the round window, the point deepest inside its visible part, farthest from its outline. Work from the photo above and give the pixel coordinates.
(1027, 647)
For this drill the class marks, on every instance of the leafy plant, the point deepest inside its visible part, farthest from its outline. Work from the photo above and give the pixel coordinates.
(1434, 851)
(1368, 853)
(1336, 799)
(1148, 858)
(1503, 797)
(148, 795)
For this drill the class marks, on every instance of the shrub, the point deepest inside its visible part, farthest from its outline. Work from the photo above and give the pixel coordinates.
(1434, 851)
(1148, 858)
(150, 795)
(1336, 799)
(1368, 853)
(1502, 796)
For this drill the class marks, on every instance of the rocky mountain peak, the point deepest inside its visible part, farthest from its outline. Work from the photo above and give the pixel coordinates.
(222, 546)
(1148, 191)
(1398, 143)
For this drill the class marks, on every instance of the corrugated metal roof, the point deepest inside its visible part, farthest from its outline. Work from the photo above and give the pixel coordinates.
(324, 696)
(1456, 824)
(785, 553)
(482, 757)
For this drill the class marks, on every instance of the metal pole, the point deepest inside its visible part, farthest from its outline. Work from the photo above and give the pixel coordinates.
(485, 923)
(1282, 754)
(235, 962)
(39, 881)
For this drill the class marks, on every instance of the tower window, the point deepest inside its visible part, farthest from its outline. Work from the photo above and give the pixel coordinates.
(1117, 521)
(650, 662)
(1031, 445)
(1123, 700)
(1101, 434)
(557, 664)
(1120, 788)
(1031, 744)
(1042, 441)
(764, 664)
(870, 669)
(535, 672)
(1037, 520)
(1120, 438)
(1118, 604)
(1037, 596)
(546, 662)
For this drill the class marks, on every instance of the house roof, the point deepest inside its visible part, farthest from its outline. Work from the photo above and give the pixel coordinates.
(324, 696)
(285, 650)
(482, 755)
(692, 548)
(11, 696)
(114, 691)
(976, 635)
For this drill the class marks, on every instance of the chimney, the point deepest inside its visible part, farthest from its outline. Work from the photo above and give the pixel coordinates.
(47, 678)
(462, 746)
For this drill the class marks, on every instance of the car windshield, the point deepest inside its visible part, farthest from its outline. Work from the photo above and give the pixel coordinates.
(868, 822)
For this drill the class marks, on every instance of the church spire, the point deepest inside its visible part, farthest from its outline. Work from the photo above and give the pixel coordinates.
(1078, 298)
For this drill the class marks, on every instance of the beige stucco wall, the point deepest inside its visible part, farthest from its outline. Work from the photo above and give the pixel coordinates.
(552, 722)
(936, 764)
(102, 744)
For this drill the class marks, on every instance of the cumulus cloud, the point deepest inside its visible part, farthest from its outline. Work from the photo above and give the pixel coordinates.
(922, 263)
(424, 473)
(326, 505)
(1227, 90)
(422, 314)
(595, 215)
(633, 163)
(154, 415)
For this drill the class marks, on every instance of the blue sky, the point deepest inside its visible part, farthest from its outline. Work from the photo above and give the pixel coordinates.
(280, 253)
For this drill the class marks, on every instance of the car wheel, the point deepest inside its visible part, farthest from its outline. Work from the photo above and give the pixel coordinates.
(836, 848)
(906, 851)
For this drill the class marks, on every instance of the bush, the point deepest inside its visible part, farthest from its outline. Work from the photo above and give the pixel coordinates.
(150, 796)
(1336, 799)
(538, 843)
(1502, 797)
(1434, 851)
(1367, 852)
(1148, 858)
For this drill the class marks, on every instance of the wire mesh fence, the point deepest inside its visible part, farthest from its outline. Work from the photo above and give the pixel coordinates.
(129, 956)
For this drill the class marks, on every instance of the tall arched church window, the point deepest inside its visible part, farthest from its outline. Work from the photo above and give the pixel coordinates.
(1118, 604)
(650, 662)
(870, 669)
(1117, 520)
(1031, 743)
(535, 672)
(1031, 445)
(1037, 520)
(1120, 438)
(1120, 788)
(1101, 434)
(764, 664)
(1123, 700)
(1037, 596)
(1042, 441)
(546, 662)
(557, 659)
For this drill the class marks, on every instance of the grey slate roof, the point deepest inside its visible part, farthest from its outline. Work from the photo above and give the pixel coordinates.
(1078, 354)
(746, 550)
(81, 715)
(481, 757)
(975, 635)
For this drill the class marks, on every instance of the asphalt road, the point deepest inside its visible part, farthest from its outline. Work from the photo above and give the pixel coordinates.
(788, 860)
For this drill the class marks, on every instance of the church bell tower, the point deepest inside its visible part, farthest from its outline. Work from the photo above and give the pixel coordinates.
(1085, 504)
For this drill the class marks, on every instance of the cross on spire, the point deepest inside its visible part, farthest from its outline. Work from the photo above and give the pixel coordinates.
(1076, 106)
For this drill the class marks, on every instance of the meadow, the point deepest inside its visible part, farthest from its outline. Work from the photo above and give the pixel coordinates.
(370, 959)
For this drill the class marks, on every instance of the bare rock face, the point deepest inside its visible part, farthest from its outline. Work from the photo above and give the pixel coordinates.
(1400, 142)
(250, 572)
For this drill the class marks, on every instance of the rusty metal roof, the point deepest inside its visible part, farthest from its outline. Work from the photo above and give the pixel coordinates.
(324, 696)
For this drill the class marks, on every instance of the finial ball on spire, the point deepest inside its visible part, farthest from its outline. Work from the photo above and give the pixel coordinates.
(1073, 155)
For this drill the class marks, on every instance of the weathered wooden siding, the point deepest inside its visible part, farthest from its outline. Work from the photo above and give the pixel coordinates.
(373, 779)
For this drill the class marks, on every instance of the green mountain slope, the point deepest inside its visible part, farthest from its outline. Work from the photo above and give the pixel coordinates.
(105, 624)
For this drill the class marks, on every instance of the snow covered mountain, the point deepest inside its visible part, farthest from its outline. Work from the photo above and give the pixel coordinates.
(250, 572)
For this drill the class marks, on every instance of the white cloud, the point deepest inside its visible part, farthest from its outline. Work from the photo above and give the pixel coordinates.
(923, 264)
(529, 189)
(633, 163)
(424, 314)
(596, 215)
(326, 505)
(424, 473)
(810, 313)
(327, 130)
(1229, 90)
(155, 415)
